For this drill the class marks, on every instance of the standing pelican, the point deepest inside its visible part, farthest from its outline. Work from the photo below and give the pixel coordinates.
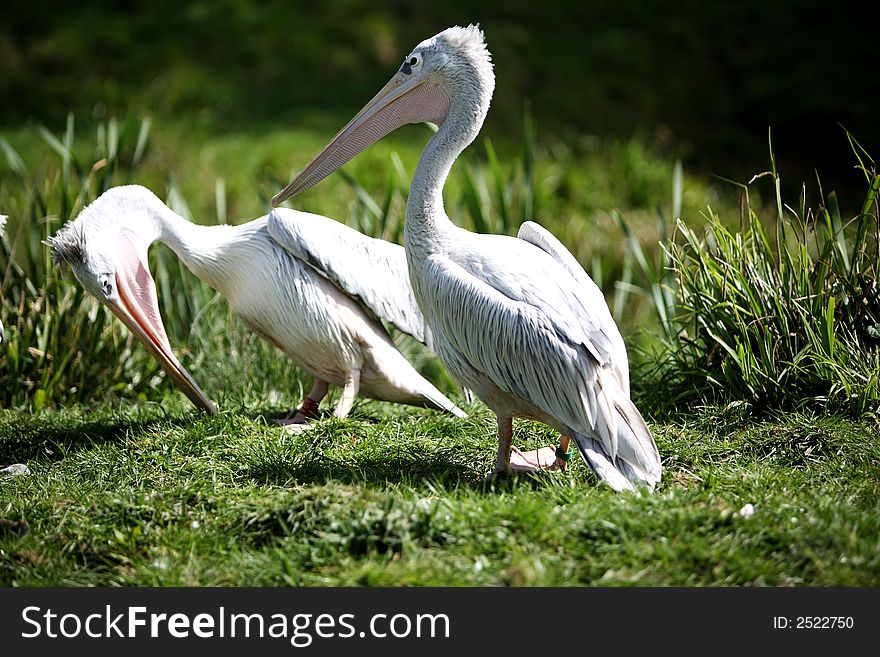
(517, 320)
(310, 285)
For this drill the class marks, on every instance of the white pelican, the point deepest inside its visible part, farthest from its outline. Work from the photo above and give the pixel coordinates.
(517, 320)
(310, 285)
(3, 219)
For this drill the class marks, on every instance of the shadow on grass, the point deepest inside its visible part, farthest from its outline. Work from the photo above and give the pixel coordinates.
(374, 470)
(276, 415)
(411, 469)
(51, 438)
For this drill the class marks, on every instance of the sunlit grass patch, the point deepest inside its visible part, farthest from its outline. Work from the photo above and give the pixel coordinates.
(184, 499)
(780, 311)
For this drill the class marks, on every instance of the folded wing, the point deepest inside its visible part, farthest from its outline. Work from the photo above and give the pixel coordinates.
(516, 318)
(586, 289)
(371, 270)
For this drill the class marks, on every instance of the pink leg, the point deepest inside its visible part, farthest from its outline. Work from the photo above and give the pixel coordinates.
(562, 463)
(349, 392)
(309, 408)
(546, 458)
(505, 437)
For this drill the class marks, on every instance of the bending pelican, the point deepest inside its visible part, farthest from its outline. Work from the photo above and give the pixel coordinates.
(313, 287)
(517, 320)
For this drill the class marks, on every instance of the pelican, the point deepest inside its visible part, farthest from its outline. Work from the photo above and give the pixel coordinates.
(517, 320)
(3, 219)
(310, 285)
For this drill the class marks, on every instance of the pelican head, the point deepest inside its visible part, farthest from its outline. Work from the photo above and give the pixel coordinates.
(106, 248)
(450, 72)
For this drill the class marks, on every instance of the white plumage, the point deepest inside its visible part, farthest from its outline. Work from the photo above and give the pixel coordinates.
(3, 218)
(312, 286)
(517, 320)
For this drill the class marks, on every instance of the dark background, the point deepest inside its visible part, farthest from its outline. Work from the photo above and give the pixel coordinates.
(702, 80)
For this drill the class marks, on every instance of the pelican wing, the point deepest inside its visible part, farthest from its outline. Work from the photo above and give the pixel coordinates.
(520, 318)
(536, 234)
(539, 236)
(523, 336)
(372, 270)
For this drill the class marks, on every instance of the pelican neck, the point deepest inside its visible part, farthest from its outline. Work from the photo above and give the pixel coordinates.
(425, 214)
(205, 250)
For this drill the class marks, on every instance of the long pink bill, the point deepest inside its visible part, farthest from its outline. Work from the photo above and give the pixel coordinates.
(137, 306)
(405, 99)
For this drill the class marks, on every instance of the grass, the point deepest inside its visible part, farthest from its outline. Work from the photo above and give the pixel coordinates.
(140, 496)
(781, 312)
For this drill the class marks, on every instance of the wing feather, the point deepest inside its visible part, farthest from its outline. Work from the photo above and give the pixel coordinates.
(520, 317)
(590, 294)
(527, 347)
(369, 269)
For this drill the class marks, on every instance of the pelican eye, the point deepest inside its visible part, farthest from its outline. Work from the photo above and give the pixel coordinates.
(106, 287)
(409, 63)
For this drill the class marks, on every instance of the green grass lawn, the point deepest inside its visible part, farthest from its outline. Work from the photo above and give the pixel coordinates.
(161, 495)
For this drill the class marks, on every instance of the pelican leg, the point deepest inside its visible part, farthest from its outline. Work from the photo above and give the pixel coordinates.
(546, 458)
(309, 407)
(349, 392)
(505, 438)
(562, 463)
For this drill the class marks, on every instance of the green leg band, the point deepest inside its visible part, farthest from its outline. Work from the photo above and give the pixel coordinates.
(566, 455)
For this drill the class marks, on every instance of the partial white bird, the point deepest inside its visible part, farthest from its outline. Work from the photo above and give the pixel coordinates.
(310, 285)
(517, 320)
(3, 219)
